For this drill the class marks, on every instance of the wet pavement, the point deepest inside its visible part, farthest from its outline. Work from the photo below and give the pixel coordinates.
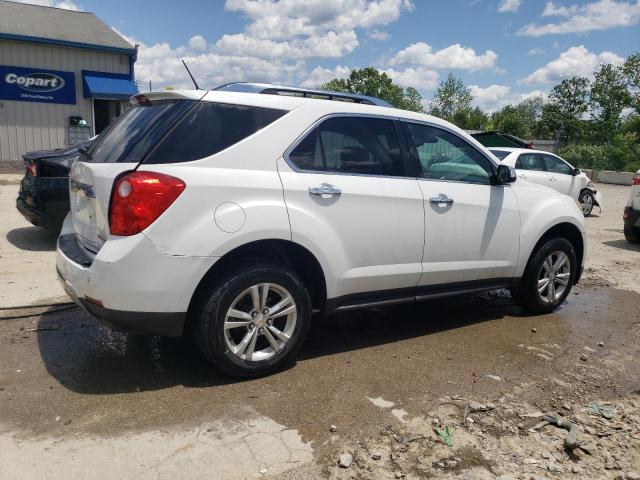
(64, 376)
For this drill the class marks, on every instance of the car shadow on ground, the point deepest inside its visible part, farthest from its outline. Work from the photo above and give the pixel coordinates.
(89, 358)
(623, 245)
(32, 239)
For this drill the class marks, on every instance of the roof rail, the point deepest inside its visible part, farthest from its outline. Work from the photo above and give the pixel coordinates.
(271, 89)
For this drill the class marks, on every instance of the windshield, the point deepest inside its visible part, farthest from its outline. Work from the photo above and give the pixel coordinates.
(501, 154)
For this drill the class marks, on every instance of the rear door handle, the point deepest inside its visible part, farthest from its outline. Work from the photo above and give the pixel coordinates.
(441, 199)
(522, 175)
(325, 189)
(553, 179)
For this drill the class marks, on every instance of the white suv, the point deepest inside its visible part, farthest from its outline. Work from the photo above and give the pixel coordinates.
(235, 216)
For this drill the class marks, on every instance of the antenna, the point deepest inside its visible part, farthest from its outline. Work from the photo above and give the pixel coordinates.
(189, 72)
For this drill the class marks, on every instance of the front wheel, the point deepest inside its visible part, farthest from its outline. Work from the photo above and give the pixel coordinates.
(254, 321)
(549, 276)
(587, 201)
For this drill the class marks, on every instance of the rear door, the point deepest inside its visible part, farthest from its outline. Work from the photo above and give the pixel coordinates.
(352, 204)
(472, 227)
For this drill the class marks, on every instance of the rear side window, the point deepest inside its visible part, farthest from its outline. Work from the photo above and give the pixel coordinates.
(351, 145)
(210, 128)
(530, 161)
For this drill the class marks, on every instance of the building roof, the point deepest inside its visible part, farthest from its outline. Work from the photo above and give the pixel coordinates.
(35, 23)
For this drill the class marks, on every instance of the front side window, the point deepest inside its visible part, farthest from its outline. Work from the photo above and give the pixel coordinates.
(445, 156)
(530, 161)
(350, 145)
(555, 165)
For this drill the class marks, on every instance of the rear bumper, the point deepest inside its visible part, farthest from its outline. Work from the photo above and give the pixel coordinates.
(130, 285)
(631, 217)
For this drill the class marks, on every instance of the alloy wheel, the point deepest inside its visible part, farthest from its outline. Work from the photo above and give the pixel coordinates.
(586, 204)
(554, 276)
(260, 322)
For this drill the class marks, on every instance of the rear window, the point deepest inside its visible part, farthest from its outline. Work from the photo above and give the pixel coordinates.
(210, 128)
(173, 131)
(136, 131)
(501, 154)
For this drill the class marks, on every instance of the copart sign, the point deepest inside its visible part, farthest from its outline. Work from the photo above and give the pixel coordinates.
(37, 85)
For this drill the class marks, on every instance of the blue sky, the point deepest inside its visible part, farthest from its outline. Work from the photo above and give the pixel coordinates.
(505, 49)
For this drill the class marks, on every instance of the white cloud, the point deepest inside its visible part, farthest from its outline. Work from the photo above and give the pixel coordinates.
(66, 4)
(285, 18)
(574, 61)
(553, 10)
(419, 78)
(509, 5)
(198, 43)
(378, 35)
(454, 56)
(598, 15)
(535, 51)
(320, 75)
(329, 45)
(494, 97)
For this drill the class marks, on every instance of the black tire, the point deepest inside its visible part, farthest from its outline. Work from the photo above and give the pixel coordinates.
(527, 295)
(585, 196)
(212, 306)
(632, 234)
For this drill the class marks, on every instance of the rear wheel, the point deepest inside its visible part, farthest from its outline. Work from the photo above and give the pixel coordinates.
(254, 321)
(548, 277)
(586, 202)
(632, 234)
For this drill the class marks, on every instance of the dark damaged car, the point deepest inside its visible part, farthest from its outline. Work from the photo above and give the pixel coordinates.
(44, 191)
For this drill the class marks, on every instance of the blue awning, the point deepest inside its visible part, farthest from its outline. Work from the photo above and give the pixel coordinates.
(110, 86)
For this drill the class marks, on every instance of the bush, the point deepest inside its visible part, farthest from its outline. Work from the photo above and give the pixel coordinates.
(623, 154)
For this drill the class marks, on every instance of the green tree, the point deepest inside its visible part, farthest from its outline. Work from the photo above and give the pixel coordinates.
(451, 98)
(472, 119)
(631, 70)
(372, 82)
(567, 104)
(510, 120)
(609, 96)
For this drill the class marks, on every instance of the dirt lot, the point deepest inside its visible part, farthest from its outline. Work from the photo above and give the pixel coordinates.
(79, 401)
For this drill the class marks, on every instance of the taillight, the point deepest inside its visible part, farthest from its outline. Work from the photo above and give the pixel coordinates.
(636, 179)
(32, 169)
(139, 198)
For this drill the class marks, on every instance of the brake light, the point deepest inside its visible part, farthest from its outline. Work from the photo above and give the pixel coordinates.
(32, 169)
(636, 179)
(139, 198)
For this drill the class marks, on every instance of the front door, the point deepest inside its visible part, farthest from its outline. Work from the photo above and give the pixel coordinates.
(561, 176)
(471, 226)
(351, 204)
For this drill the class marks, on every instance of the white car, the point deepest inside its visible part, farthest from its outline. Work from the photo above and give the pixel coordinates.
(234, 216)
(550, 170)
(631, 215)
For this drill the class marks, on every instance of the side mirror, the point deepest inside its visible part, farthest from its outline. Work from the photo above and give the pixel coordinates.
(506, 174)
(576, 172)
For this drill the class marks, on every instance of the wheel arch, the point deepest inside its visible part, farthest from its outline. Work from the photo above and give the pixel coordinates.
(568, 231)
(283, 252)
